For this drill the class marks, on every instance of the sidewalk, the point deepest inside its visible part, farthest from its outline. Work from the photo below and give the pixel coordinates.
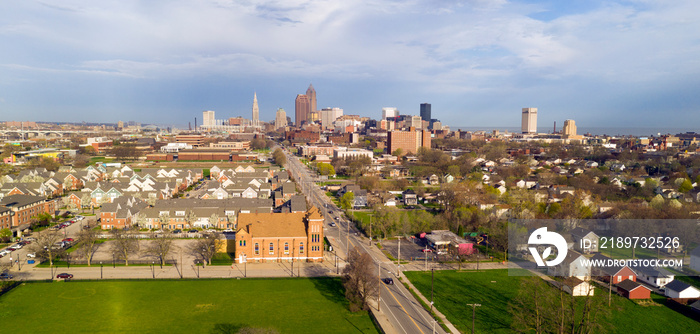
(442, 317)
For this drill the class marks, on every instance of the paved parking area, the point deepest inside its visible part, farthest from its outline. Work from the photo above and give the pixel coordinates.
(410, 249)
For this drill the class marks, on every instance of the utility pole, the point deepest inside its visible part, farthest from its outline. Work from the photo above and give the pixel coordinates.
(610, 290)
(432, 284)
(474, 306)
(398, 260)
(426, 257)
(370, 230)
(379, 291)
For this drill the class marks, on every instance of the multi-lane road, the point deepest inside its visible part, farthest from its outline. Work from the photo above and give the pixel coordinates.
(403, 311)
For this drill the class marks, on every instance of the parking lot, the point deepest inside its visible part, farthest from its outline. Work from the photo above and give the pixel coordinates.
(411, 250)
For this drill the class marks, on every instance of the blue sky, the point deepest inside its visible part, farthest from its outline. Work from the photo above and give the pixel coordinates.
(629, 63)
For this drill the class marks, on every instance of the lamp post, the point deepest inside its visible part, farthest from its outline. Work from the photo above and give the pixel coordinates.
(153, 271)
(100, 269)
(370, 229)
(113, 264)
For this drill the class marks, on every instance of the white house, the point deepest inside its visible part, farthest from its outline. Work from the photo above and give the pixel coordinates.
(571, 267)
(678, 289)
(656, 277)
(695, 259)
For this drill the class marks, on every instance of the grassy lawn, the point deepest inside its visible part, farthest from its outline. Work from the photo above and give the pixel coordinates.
(494, 289)
(181, 306)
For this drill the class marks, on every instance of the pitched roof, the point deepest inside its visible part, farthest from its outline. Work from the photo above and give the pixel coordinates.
(273, 225)
(677, 286)
(629, 285)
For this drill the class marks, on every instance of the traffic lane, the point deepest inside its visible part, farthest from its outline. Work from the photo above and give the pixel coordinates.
(403, 312)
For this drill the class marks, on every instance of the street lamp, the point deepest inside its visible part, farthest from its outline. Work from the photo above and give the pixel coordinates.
(113, 264)
(153, 272)
(100, 269)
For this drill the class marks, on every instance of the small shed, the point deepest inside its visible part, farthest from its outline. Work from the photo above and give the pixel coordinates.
(633, 290)
(577, 287)
(681, 290)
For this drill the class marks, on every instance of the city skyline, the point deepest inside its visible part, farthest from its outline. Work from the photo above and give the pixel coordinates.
(616, 63)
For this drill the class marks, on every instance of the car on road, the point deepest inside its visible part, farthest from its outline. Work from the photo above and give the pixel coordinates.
(426, 250)
(5, 276)
(64, 275)
(332, 224)
(388, 281)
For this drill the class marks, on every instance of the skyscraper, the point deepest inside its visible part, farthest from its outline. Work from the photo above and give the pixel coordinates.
(389, 112)
(280, 119)
(569, 127)
(425, 112)
(529, 121)
(329, 115)
(311, 93)
(302, 109)
(256, 111)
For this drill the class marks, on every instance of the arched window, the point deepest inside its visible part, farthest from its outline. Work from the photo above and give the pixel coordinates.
(301, 248)
(286, 248)
(272, 248)
(257, 249)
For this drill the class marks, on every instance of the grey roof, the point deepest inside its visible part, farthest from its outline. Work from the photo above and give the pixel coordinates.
(580, 232)
(629, 285)
(20, 200)
(677, 286)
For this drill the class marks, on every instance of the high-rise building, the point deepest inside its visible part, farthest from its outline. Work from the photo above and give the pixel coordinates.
(311, 93)
(569, 127)
(389, 112)
(208, 119)
(529, 121)
(280, 119)
(416, 122)
(329, 115)
(425, 112)
(408, 141)
(256, 110)
(302, 109)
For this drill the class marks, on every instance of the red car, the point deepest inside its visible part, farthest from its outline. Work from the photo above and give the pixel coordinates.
(426, 250)
(68, 240)
(64, 275)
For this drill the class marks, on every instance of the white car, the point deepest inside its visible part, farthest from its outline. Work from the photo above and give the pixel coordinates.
(5, 252)
(31, 255)
(79, 218)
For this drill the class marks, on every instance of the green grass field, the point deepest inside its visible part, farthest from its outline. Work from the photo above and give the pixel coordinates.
(181, 306)
(494, 289)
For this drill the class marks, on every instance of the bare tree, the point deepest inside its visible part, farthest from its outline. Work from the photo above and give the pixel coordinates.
(359, 279)
(160, 246)
(47, 246)
(124, 245)
(164, 219)
(190, 218)
(88, 245)
(205, 247)
(214, 220)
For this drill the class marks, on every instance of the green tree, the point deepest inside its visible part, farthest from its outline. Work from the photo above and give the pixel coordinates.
(279, 157)
(685, 186)
(325, 168)
(5, 235)
(347, 200)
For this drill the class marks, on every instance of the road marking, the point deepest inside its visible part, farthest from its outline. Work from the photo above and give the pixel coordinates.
(404, 310)
(392, 313)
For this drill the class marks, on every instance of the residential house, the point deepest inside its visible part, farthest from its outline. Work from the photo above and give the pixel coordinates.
(572, 266)
(585, 241)
(608, 273)
(695, 259)
(656, 277)
(680, 290)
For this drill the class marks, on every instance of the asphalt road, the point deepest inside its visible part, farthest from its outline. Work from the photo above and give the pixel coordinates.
(396, 302)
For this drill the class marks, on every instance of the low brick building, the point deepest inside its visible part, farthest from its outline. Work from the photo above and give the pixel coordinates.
(280, 237)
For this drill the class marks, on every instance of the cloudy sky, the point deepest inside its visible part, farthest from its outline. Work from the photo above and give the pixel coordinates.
(629, 63)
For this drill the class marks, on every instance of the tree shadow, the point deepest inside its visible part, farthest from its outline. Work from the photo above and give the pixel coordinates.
(226, 328)
(332, 289)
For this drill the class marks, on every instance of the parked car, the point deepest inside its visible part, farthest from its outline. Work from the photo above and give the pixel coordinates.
(177, 231)
(5, 276)
(193, 231)
(388, 281)
(31, 255)
(64, 275)
(17, 246)
(68, 240)
(79, 218)
(426, 250)
(30, 239)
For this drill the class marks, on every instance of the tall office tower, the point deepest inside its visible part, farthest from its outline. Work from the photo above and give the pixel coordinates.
(302, 109)
(425, 113)
(329, 115)
(569, 127)
(415, 122)
(529, 123)
(280, 119)
(208, 119)
(256, 110)
(311, 93)
(389, 112)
